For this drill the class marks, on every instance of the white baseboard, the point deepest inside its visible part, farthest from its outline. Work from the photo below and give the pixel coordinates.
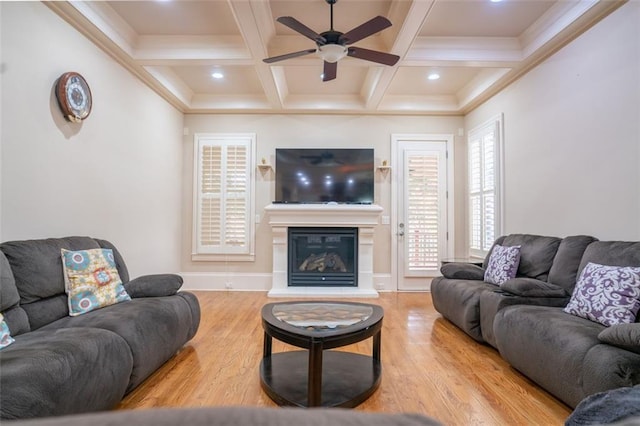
(238, 281)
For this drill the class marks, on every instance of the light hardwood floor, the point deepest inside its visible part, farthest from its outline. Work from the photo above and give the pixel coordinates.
(429, 366)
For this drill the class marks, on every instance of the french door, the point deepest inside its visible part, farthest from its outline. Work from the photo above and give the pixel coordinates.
(422, 212)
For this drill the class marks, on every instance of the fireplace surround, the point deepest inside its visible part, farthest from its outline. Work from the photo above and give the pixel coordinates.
(364, 218)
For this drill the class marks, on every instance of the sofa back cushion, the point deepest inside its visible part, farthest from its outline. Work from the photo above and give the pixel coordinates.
(37, 269)
(564, 271)
(14, 316)
(611, 253)
(536, 253)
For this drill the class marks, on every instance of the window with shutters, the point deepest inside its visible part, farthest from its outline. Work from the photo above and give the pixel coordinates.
(485, 194)
(224, 193)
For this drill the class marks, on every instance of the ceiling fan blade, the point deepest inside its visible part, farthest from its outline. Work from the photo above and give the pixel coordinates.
(373, 56)
(330, 71)
(289, 56)
(370, 27)
(301, 28)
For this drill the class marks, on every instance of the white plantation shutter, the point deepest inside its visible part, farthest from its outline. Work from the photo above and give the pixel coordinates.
(484, 188)
(424, 224)
(224, 192)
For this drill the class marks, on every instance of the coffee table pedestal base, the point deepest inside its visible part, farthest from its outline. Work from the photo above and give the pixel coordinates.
(347, 378)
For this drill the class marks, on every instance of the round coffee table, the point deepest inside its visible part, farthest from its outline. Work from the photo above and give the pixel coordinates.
(317, 376)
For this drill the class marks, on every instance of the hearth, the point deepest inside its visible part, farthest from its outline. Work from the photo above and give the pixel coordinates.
(322, 257)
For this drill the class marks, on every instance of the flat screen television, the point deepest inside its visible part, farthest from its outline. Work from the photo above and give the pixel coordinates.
(324, 175)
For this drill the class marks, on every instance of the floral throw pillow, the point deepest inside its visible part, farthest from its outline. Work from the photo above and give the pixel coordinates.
(609, 295)
(503, 264)
(5, 335)
(91, 280)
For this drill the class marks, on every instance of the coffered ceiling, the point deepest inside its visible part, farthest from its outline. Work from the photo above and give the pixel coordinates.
(476, 46)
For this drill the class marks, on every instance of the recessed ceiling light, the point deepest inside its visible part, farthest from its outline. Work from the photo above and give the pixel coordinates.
(433, 76)
(496, 1)
(217, 75)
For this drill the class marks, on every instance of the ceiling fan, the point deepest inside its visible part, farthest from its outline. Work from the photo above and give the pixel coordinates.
(334, 45)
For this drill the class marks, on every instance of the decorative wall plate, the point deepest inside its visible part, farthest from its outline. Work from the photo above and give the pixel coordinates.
(74, 96)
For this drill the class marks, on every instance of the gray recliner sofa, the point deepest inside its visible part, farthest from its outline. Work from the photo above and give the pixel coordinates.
(61, 364)
(546, 275)
(569, 356)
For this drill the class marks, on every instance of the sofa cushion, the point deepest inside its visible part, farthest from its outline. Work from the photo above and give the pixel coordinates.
(37, 270)
(548, 346)
(91, 280)
(614, 253)
(462, 271)
(153, 327)
(536, 254)
(459, 302)
(626, 336)
(5, 334)
(503, 264)
(564, 271)
(606, 294)
(236, 416)
(530, 287)
(156, 285)
(17, 320)
(37, 267)
(55, 372)
(9, 296)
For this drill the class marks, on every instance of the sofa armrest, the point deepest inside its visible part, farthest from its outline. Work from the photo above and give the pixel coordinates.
(530, 287)
(154, 285)
(462, 271)
(625, 336)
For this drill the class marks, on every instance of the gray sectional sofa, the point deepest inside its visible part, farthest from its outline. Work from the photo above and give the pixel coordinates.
(569, 356)
(61, 364)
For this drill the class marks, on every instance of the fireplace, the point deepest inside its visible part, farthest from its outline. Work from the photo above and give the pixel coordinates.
(362, 218)
(323, 257)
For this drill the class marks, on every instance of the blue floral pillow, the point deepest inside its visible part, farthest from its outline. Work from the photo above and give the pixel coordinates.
(5, 335)
(503, 264)
(91, 280)
(608, 295)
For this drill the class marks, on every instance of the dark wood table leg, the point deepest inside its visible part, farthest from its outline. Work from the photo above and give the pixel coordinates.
(266, 348)
(315, 375)
(376, 345)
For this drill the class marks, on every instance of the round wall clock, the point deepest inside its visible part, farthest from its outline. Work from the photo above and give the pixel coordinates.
(74, 96)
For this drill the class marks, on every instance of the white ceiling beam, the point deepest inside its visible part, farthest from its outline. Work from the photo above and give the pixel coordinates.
(465, 49)
(172, 83)
(107, 21)
(415, 17)
(256, 26)
(149, 48)
(479, 84)
(552, 22)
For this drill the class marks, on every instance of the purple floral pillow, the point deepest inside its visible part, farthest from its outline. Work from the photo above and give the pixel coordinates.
(606, 294)
(503, 264)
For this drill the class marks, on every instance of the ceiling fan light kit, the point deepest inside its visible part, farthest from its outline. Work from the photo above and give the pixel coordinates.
(332, 52)
(332, 44)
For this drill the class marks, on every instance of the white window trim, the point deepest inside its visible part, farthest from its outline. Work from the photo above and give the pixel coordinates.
(249, 254)
(497, 122)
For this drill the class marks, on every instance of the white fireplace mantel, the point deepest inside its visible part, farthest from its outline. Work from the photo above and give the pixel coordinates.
(363, 217)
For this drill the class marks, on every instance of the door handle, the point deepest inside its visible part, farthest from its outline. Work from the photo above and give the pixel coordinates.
(400, 229)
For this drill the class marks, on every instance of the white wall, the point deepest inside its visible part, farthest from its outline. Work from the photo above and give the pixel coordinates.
(313, 131)
(116, 176)
(572, 136)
